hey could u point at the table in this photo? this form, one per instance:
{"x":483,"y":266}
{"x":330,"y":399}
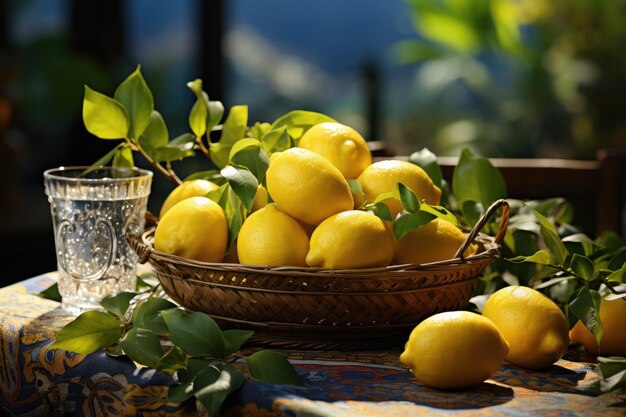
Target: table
{"x":35,"y":381}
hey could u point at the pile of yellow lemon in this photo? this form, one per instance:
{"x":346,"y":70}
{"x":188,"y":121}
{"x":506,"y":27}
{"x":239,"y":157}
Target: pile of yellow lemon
{"x":314,"y":219}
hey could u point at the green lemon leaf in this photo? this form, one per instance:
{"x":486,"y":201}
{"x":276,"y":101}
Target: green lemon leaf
{"x":103,"y":116}
{"x":155,"y":135}
{"x":299,"y":121}
{"x":180,"y":393}
{"x":216,"y":111}
{"x":380,"y":210}
{"x":276,"y":140}
{"x":193,"y":368}
{"x":582,"y":266}
{"x":541,"y":257}
{"x":586,"y":307}
{"x":214,"y":384}
{"x":243,"y":183}
{"x":173,"y":151}
{"x":173,"y":360}
{"x":123,"y":158}
{"x":234,"y":212}
{"x":427,"y":160}
{"x":551,"y":238}
{"x":91,"y":331}
{"x":142,"y":346}
{"x":618,"y":275}
{"x":136,"y":98}
{"x":476,"y":179}
{"x":147,"y":315}
{"x":234,"y":128}
{"x":407,"y":197}
{"x":253,"y":159}
{"x":234,"y":339}
{"x":610,"y":241}
{"x":439,"y":211}
{"x":51,"y":293}
{"x":243,"y":144}
{"x":272,"y":367}
{"x":618,"y":259}
{"x":200,"y":111}
{"x":405,"y":223}
{"x":545,"y":271}
{"x":258,"y":130}
{"x":196,"y":333}
{"x":118,"y":303}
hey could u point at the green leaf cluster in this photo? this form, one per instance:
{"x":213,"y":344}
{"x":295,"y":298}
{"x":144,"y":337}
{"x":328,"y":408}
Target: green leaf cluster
{"x":237,"y":154}
{"x":154,"y":332}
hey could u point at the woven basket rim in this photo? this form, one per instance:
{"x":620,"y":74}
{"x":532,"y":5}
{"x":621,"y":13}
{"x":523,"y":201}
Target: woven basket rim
{"x":491,"y":251}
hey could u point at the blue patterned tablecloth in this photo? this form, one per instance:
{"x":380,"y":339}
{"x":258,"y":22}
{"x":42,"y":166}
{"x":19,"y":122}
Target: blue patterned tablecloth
{"x":36,"y":381}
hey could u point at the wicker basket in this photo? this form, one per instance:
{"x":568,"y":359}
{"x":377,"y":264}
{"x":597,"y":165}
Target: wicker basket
{"x":310,"y":308}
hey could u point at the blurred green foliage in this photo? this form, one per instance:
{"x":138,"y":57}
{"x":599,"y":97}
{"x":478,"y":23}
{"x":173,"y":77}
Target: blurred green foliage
{"x":543,"y":76}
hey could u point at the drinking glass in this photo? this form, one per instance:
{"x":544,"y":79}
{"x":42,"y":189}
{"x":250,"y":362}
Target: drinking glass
{"x":92,"y":213}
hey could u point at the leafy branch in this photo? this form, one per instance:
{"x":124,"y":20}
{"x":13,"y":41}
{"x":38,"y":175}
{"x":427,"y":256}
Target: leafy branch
{"x":154,"y":332}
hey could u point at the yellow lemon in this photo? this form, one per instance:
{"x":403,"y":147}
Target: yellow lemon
{"x":307,"y":186}
{"x":613,"y":339}
{"x":533,"y":324}
{"x":192,"y":188}
{"x":341,"y":145}
{"x":194,"y":228}
{"x":349,"y":240}
{"x":454,"y":349}
{"x":437,"y":240}
{"x":381,"y":177}
{"x":271,"y":237}
{"x":260,"y":199}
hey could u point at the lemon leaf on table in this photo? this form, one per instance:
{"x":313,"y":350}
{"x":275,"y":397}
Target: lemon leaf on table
{"x":89,"y":332}
{"x":234,"y":339}
{"x":212,"y":386}
{"x":103,"y":116}
{"x":612,"y":371}
{"x":147,"y":314}
{"x":51,"y":293}
{"x":173,"y":360}
{"x":118,"y":303}
{"x":272,"y":367}
{"x":142,"y":346}
{"x":133,"y":93}
{"x":196,"y":333}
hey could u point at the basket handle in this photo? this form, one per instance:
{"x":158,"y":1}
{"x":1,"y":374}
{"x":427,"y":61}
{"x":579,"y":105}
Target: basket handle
{"x":142,"y":250}
{"x":504,"y":222}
